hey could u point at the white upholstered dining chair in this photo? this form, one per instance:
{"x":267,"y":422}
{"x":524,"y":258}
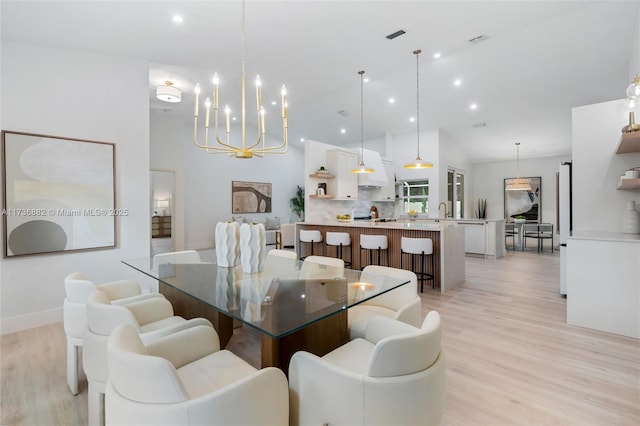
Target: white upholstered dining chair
{"x":77,"y":289}
{"x":403,"y":303}
{"x":150,"y":318}
{"x":185,"y":379}
{"x":395,"y":376}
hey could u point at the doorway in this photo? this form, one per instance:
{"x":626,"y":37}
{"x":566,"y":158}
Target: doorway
{"x":162,"y":218}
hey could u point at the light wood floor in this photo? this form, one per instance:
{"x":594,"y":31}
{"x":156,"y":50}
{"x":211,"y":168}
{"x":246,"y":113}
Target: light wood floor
{"x":511,"y":358}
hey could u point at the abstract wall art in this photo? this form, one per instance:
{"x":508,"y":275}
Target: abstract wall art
{"x":58,"y":194}
{"x":250,"y":197}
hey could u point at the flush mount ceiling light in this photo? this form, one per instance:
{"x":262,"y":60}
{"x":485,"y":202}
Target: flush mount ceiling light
{"x":362,"y":168}
{"x":518,"y":184}
{"x":418,"y":163}
{"x":168,"y":93}
{"x":246,"y":149}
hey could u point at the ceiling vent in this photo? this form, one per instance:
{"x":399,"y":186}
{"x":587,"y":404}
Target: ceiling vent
{"x":477,"y":125}
{"x":478,"y":39}
{"x":343,"y":113}
{"x":396,"y":34}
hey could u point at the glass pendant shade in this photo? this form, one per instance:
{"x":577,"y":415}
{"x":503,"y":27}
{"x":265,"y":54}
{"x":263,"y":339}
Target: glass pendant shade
{"x":362,"y":168}
{"x":633,"y":90}
{"x":418,"y":163}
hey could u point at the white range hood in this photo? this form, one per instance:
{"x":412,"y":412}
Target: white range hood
{"x":379,"y":177}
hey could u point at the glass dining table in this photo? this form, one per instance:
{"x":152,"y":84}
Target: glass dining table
{"x":294,"y":305}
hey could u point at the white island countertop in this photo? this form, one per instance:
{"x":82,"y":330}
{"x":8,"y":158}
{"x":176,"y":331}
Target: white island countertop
{"x":400,"y":224}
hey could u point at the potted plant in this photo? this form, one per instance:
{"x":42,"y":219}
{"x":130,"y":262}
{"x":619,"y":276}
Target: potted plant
{"x":297,"y":203}
{"x":519,"y":219}
{"x":481,"y":211}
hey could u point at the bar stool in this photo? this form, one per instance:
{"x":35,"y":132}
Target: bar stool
{"x":371,"y":243}
{"x":309,"y":236}
{"x":418,"y":247}
{"x":340,"y":240}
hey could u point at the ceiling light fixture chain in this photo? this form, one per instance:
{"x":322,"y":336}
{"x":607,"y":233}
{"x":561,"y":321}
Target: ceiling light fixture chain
{"x":418,"y":163}
{"x":362,"y":168}
{"x":259,"y":148}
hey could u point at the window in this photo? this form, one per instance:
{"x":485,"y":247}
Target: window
{"x":455,"y":193}
{"x":415,"y":195}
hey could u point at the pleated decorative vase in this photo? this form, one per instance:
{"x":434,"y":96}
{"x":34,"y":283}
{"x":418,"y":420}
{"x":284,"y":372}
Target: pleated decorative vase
{"x":631,"y":219}
{"x":252,"y":247}
{"x":227,"y":243}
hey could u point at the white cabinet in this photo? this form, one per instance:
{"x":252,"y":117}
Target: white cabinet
{"x":387,"y":192}
{"x":474,"y":238}
{"x":485,"y":237}
{"x":345,"y":185}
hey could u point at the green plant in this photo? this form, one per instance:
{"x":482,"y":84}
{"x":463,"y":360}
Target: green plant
{"x":520,"y":217}
{"x":297,"y":202}
{"x":481,"y":211}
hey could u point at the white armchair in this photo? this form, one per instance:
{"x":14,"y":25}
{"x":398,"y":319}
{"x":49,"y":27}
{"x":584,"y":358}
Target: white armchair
{"x":176,"y":257}
{"x":403,"y":303}
{"x":151,"y":318}
{"x":396,"y":376}
{"x":77,"y":288}
{"x":185,"y":379}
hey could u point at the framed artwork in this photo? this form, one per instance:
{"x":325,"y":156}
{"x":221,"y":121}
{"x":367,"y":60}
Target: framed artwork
{"x":58,"y":194}
{"x":250,"y":197}
{"x":524,"y":203}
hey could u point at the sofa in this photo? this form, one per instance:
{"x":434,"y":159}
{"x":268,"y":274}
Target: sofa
{"x":271,"y":225}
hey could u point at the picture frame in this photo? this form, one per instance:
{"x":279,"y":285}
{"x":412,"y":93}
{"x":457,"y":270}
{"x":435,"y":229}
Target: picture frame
{"x":58,"y":194}
{"x":524,"y":203}
{"x":250,"y":197}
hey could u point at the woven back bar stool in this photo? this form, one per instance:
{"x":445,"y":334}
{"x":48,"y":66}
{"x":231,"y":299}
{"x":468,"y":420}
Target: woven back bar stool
{"x":418,"y":247}
{"x":373,"y":243}
{"x":340,"y":240}
{"x":309,"y":236}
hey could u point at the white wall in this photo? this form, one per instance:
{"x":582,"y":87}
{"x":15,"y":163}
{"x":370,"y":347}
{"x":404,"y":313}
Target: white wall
{"x":87,"y":96}
{"x":489,"y":178}
{"x":207,"y":185}
{"x":452,"y":157}
{"x":597,"y":205}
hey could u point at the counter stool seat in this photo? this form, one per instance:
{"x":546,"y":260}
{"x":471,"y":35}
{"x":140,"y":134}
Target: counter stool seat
{"x":340,"y":240}
{"x":421,"y":247}
{"x":309,"y":236}
{"x":373,"y":243}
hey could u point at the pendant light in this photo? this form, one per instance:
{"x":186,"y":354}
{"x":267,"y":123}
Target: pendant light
{"x":362,"y":168}
{"x":418,"y":163}
{"x":518,"y":184}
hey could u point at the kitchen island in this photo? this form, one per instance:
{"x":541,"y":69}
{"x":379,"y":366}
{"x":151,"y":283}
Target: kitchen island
{"x":448,"y":245}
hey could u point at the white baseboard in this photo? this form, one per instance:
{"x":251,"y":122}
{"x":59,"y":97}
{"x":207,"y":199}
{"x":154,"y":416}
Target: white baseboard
{"x":36,"y":319}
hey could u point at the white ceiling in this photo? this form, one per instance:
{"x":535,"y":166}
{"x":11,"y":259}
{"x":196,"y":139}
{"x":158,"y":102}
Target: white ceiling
{"x":540,"y":60}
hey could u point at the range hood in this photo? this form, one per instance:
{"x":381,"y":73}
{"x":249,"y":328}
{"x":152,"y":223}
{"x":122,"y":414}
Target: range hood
{"x":379,"y":176}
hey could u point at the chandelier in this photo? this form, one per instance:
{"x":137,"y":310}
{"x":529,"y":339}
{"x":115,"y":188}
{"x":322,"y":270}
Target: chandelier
{"x":258,"y":147}
{"x":518,"y":184}
{"x":362,"y":168}
{"x":418,"y":163}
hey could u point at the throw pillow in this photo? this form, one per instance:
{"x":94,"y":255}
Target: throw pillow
{"x":272,"y":224}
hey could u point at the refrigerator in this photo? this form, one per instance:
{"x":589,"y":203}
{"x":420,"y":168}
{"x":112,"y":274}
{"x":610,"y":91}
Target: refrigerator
{"x":564,"y":219}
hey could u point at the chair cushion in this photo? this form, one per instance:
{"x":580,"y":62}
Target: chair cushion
{"x":213,"y":372}
{"x":359,"y":316}
{"x":166,"y":322}
{"x":353,"y":356}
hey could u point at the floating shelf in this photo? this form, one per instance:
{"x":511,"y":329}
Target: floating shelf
{"x":629,"y":142}
{"x":629,"y":184}
{"x":322,"y":175}
{"x":326,"y":197}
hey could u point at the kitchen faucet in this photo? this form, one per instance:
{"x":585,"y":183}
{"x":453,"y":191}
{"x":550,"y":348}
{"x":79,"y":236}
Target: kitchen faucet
{"x":442,"y":203}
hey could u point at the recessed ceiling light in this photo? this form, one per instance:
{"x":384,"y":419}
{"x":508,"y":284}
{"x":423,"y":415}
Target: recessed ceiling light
{"x":274,"y":103}
{"x":437,"y":55}
{"x":473,"y":106}
{"x":177,"y":19}
{"x":301,"y":139}
{"x":412,"y":119}
{"x":457,"y":82}
{"x":366,"y":79}
{"x":234,"y":118}
{"x":343,"y":131}
{"x":392,"y":100}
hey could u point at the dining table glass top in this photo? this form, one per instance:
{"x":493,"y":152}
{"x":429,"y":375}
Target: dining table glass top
{"x":285,"y":297}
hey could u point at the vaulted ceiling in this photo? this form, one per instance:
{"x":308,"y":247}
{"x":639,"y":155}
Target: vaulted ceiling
{"x":539,"y":59}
